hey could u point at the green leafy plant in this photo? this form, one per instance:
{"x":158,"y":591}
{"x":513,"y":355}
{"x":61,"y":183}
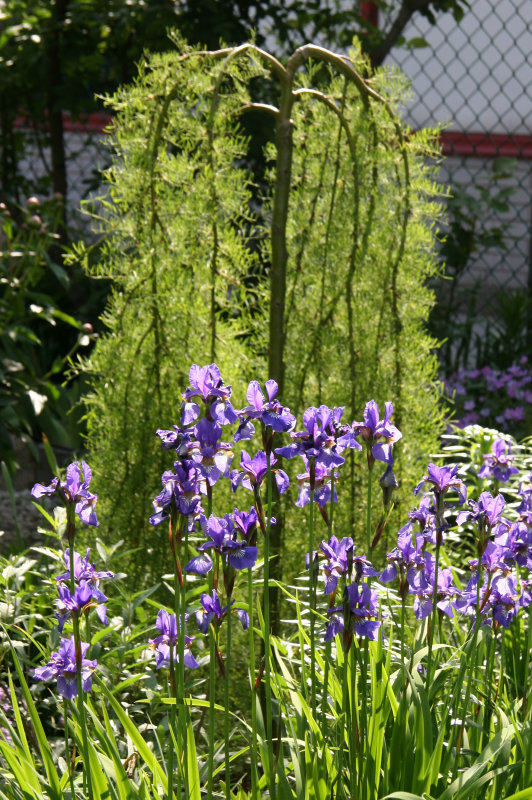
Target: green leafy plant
{"x":38,"y":338}
{"x":322,"y":286}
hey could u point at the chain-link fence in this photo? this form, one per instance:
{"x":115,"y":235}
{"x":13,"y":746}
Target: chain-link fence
{"x":475,"y":77}
{"x":85,"y":157}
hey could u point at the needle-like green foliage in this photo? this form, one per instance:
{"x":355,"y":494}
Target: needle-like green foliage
{"x":315,"y":278}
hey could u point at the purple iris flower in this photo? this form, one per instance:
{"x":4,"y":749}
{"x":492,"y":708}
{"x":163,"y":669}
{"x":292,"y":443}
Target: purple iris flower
{"x":363,"y":604}
{"x":84,"y":598}
{"x":246,"y":523}
{"x":211,"y":611}
{"x":319,"y":443}
{"x":322,"y":485}
{"x":406,"y":556}
{"x":220,"y":532}
{"x":504,"y":608}
{"x":517,"y":541}
{"x":254,"y":470}
{"x":62,"y":665}
{"x":442,"y":480}
{"x":494,"y":559}
{"x":425,"y":516}
{"x":525,"y":507}
{"x":360,"y":609}
{"x":339,"y":555}
{"x":373,"y":429}
{"x":84,"y":571}
{"x":498,"y":596}
{"x":207,"y":384}
{"x":176,"y":439}
{"x":466,"y":601}
{"x":526,"y":593}
{"x":421,"y":583}
{"x":167,"y":626}
{"x":73,"y":491}
{"x":181,"y":491}
{"x":498,"y":463}
{"x":270,"y":412}
{"x":87,"y":593}
{"x":212,"y":456}
{"x":487,"y":511}
{"x":335,"y":625}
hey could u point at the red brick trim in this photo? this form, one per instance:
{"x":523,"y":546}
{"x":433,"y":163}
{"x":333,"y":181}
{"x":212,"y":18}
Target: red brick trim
{"x":486,"y":145}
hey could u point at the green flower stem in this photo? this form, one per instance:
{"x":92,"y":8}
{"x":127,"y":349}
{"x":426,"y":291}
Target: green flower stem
{"x":403,"y":615}
{"x":68,"y":757}
{"x":77,"y":643}
{"x":209,"y":500}
{"x":227,"y":692}
{"x":179,"y":599}
{"x":488,"y":676}
{"x":213,"y":647}
{"x":267,"y":677}
{"x":170,"y":770}
{"x":345,"y":715}
{"x":212,"y":699}
{"x":355,"y":752}
{"x":324,"y":699}
{"x":470,"y":677}
{"x":312,"y":598}
{"x":526,"y":705}
{"x":71,"y":554}
{"x":368,"y":509}
{"x":438,"y":502}
{"x":253,"y":742}
{"x":433,"y":615}
{"x":364,"y":762}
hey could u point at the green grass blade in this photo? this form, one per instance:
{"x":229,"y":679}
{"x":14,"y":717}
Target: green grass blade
{"x":46,"y":754}
{"x":194,"y":787}
{"x":464,"y":786}
{"x":136,"y":737}
{"x":126,"y":789}
{"x":524,"y":794}
{"x":23,"y":773}
{"x":18,"y":719}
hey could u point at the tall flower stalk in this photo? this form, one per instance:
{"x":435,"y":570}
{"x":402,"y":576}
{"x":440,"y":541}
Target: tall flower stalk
{"x":72,"y":669}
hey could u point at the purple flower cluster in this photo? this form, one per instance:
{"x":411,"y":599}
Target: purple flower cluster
{"x":164,"y":645}
{"x":498,"y":463}
{"x":411,"y":560}
{"x":271,"y":412}
{"x":229,"y":545}
{"x":222,"y":538}
{"x":211,"y":611}
{"x":344,"y":571}
{"x":323,"y":438}
{"x":86,"y":594}
{"x":501,"y":399}
{"x":373,"y":431}
{"x":63,"y":666}
{"x":203,"y":459}
{"x":493,"y":594}
{"x":74,"y":491}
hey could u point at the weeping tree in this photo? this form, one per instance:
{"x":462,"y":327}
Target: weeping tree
{"x":312,"y":272}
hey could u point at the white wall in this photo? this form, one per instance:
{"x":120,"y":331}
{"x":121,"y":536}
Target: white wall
{"x":476,"y":74}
